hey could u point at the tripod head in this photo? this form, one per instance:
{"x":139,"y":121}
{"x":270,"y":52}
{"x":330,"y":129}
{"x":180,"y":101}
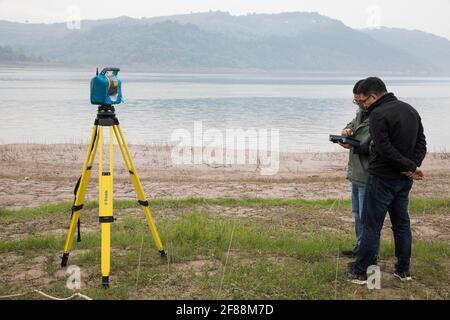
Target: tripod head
{"x":106,"y":116}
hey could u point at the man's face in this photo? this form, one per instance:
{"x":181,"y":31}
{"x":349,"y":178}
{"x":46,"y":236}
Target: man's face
{"x":365,"y":102}
{"x":357,"y":101}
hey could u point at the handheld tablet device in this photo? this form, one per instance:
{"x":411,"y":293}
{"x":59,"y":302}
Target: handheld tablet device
{"x":344,"y":140}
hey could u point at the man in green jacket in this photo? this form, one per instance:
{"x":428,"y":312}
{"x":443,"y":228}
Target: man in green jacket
{"x":358,"y":163}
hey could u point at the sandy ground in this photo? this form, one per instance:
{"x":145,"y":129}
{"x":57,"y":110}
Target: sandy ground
{"x":32,"y":174}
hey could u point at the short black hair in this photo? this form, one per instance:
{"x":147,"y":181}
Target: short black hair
{"x":372,"y":85}
{"x":355,"y":88}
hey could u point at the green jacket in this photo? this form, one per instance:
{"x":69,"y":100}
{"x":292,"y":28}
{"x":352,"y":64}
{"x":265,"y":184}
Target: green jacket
{"x":358,"y":162}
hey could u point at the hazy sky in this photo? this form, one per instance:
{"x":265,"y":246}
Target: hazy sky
{"x":431,"y":16}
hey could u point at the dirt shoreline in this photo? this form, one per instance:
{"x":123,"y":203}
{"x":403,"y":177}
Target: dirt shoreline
{"x":33,"y":174}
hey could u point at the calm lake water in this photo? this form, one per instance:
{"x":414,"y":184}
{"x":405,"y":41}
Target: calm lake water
{"x":52,"y":105}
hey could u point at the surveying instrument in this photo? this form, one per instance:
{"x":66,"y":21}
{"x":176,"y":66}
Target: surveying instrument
{"x":106,"y":90}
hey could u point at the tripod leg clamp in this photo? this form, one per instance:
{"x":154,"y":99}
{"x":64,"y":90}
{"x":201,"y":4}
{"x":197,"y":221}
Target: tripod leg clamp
{"x":77,"y":208}
{"x":143,"y":203}
{"x":107,"y":219}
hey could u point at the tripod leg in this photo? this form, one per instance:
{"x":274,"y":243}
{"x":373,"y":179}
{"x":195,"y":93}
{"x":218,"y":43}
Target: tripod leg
{"x":85,"y":176}
{"x":138,"y":187}
{"x":106,"y":206}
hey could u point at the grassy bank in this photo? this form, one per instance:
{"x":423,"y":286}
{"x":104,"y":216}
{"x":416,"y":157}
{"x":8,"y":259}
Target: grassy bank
{"x":416,"y":206}
{"x":287,"y":253}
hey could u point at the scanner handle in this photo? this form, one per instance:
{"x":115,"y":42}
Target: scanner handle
{"x":113,"y":69}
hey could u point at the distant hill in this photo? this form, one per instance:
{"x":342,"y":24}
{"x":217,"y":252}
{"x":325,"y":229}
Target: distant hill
{"x":213,"y":40}
{"x":433,"y":51}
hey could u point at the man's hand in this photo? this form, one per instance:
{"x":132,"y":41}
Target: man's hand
{"x":346,"y":133}
{"x":344,"y":145}
{"x":416,"y":175}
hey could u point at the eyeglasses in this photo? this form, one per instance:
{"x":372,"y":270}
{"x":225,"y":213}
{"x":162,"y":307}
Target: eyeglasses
{"x":360,"y":102}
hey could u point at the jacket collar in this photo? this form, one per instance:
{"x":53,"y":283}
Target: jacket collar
{"x":388,"y":97}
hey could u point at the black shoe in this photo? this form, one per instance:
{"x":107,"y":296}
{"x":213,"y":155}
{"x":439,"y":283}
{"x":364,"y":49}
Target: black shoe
{"x":360,"y":279}
{"x":403,"y":276}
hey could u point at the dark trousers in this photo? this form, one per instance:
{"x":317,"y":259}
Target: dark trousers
{"x":384,"y":196}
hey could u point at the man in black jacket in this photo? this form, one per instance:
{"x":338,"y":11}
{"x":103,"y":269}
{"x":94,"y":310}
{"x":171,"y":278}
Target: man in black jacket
{"x":396,"y":153}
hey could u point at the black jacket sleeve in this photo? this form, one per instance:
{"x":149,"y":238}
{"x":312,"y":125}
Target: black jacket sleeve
{"x":384,"y":147}
{"x":420,"y":149}
{"x":362,"y":150}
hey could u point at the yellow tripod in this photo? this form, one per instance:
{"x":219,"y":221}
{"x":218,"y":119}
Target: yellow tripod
{"x":106,"y":118}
